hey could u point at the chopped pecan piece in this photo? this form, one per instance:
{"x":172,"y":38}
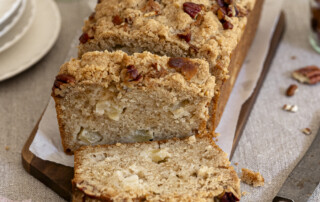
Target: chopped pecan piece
{"x":290,"y":108}
{"x":291,"y":90}
{"x":227,"y":25}
{"x":309,"y":75}
{"x":130,"y":73}
{"x":185,"y":66}
{"x":192,"y":9}
{"x":222,"y":12}
{"x":62,"y":79}
{"x":232,"y":11}
{"x":116,"y":20}
{"x":186,"y":36}
{"x":227,"y":197}
{"x":307,"y":131}
{"x":199,"y":20}
{"x":84,"y":38}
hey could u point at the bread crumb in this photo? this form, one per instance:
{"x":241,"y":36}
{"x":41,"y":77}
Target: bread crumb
{"x":217,"y":134}
{"x":252,"y":178}
{"x":236,"y":164}
{"x":244,"y":193}
{"x":7,"y":148}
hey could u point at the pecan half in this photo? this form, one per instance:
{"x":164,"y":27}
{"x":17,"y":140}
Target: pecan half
{"x":192,"y":9}
{"x":117,"y":20}
{"x":227,"y":197}
{"x":291,"y":90}
{"x":185,"y":66}
{"x":309,"y":75}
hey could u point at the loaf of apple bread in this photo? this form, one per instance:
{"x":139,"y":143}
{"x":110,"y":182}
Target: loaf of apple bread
{"x":210,"y":30}
{"x":105,"y":98}
{"x":192,"y":169}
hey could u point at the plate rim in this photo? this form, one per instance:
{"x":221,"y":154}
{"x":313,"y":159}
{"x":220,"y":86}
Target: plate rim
{"x":48,"y":47}
{"x":13,"y":8}
{"x":25,"y":29}
{"x":15,"y":18}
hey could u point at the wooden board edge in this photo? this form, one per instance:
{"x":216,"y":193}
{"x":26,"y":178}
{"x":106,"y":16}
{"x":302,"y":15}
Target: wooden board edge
{"x":244,"y":112}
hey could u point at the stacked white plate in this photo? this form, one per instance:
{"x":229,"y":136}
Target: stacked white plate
{"x":28,"y":30}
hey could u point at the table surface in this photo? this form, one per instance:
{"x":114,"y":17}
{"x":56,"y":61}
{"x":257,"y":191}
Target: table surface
{"x":272,"y":142}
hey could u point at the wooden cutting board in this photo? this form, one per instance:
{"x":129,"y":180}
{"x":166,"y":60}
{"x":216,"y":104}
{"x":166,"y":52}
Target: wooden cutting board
{"x":58,"y":177}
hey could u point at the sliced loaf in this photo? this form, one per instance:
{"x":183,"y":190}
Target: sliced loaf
{"x":106,"y":98}
{"x":193,"y":169}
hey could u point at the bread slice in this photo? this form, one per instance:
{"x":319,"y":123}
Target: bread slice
{"x":106,"y":98}
{"x":192,"y":169}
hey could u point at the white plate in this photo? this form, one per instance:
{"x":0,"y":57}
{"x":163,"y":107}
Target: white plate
{"x":23,"y":25}
{"x":35,"y":43}
{"x":7,"y":8}
{"x":13,"y":19}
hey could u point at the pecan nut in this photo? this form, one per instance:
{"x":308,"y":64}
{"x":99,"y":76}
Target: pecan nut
{"x":222,"y":12}
{"x":227,"y":25}
{"x":309,"y":75}
{"x":62,"y":79}
{"x":185,"y":66}
{"x":291,"y":90}
{"x":290,"y":108}
{"x":192,"y":9}
{"x":186,"y":36}
{"x":130,"y":73}
{"x":117,"y":20}
{"x":84,"y":38}
{"x":307,"y":131}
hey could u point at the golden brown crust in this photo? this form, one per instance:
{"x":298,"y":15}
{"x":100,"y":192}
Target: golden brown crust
{"x":237,"y":58}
